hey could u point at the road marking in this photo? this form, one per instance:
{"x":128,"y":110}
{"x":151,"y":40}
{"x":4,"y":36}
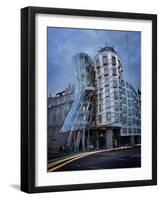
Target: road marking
{"x":70,"y":159}
{"x":67,"y":162}
{"x":75,"y":156}
{"x":62,"y":160}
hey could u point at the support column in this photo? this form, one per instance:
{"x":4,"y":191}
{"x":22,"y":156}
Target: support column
{"x":97,"y":140}
{"x":132,"y":142}
{"x":109,"y":142}
{"x":76,"y":147}
{"x":88,"y":139}
{"x":70,"y":141}
{"x":83,"y":140}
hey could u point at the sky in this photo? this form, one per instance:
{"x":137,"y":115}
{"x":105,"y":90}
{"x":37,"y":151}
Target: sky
{"x":63,"y":43}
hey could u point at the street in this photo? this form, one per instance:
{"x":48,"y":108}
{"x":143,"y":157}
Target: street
{"x":103,"y":159}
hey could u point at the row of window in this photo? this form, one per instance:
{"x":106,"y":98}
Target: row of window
{"x":130,"y":102}
{"x":131,"y":130}
{"x":106,"y":71}
{"x":133,"y":102}
{"x":130,"y":121}
{"x":121,"y":118}
{"x":128,"y":85}
{"x":100,"y":85}
{"x":129,"y":94}
{"x":108,"y":116}
{"x":107,"y":93}
{"x":116,"y":105}
{"x":131,"y":112}
{"x":106,"y":61}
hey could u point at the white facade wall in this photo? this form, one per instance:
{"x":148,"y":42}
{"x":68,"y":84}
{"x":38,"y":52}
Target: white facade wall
{"x":116,"y":105}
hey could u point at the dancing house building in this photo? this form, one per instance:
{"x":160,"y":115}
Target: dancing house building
{"x":106,"y":109}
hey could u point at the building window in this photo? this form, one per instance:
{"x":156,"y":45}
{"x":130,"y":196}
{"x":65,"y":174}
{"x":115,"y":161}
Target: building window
{"x":106,"y":81}
{"x":129,"y":121}
{"x":108,"y":116}
{"x":104,"y":60}
{"x":107,"y":91}
{"x":134,"y":121}
{"x":124,"y":100}
{"x":124,"y":119}
{"x":113,"y":60}
{"x":100,"y":118}
{"x":105,"y":71}
{"x":97,"y":63}
{"x":124,"y":130}
{"x":117,"y":117}
{"x":127,"y":85}
{"x":123,"y":91}
{"x":114,"y":73}
{"x":107,"y":103}
{"x":128,"y":93}
{"x":129,"y":102}
{"x":115,"y":83}
{"x":133,"y":103}
{"x":116,"y":106}
{"x":115,"y":94}
{"x":99,"y":84}
{"x":120,"y":93}
{"x":130,"y":112}
{"x":134,"y":130}
{"x":99,"y":77}
{"x":100,"y":107}
{"x":130,"y":130}
{"x":122,"y":83}
{"x":124,"y":109}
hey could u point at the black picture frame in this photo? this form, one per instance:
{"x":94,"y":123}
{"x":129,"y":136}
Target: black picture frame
{"x":28,"y":98}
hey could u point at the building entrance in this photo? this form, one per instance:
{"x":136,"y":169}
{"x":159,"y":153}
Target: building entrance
{"x":120,"y":141}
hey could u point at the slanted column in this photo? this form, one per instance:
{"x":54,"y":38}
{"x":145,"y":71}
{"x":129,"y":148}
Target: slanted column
{"x":109,"y":142}
{"x":76,"y":147}
{"x":88,"y":139}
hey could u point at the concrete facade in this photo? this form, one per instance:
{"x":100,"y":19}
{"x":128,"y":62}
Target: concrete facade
{"x":118,"y":104}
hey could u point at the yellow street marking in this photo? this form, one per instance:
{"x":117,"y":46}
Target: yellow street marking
{"x":75,"y":157}
{"x":69,"y":161}
{"x":64,"y":159}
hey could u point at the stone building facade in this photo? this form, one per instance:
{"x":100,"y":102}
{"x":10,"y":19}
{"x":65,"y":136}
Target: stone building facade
{"x":58,"y":108}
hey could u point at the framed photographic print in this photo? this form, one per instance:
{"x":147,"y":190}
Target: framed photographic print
{"x":88,"y":99}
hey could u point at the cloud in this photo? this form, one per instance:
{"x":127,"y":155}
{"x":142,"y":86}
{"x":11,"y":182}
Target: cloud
{"x":63,"y":43}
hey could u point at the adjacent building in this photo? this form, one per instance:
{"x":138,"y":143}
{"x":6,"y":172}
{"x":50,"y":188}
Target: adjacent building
{"x":58,"y":108}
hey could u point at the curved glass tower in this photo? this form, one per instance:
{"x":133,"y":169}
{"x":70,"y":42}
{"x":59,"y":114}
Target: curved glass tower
{"x":81,"y":115}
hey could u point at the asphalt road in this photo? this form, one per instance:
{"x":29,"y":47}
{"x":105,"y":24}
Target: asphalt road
{"x":125,"y":158}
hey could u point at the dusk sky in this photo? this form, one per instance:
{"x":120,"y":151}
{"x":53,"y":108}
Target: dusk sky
{"x":63,"y":43}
